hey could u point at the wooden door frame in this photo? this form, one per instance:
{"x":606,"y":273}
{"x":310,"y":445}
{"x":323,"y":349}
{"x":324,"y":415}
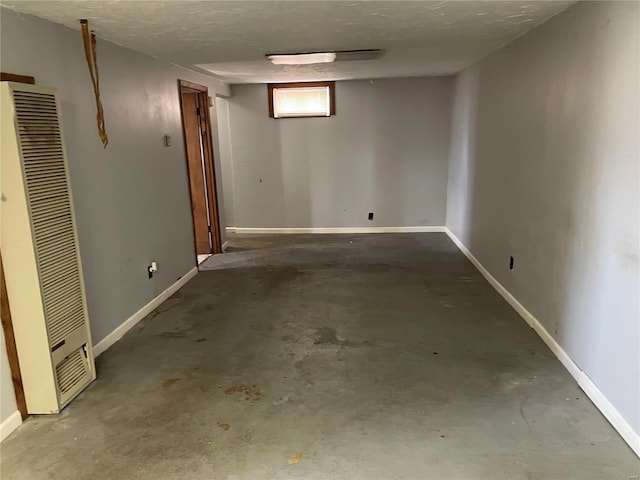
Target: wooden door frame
{"x":202,"y":92}
{"x":10,"y":343}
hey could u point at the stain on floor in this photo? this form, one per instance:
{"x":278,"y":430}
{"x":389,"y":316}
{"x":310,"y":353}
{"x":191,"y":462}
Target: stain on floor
{"x":251,"y":392}
{"x":168,"y":382}
{"x":326,"y":335}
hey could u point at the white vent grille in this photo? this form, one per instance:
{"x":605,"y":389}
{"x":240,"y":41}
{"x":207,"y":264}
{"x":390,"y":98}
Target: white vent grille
{"x":72,"y":372}
{"x":41,"y":257}
{"x":51,"y":216}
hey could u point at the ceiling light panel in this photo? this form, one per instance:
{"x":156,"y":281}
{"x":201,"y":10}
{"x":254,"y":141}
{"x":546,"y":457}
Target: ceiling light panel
{"x":302,"y":58}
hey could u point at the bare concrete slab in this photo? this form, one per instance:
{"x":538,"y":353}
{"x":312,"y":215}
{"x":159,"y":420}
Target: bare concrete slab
{"x":327,"y":357}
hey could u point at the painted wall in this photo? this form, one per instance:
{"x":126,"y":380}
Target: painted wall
{"x":131,"y":199}
{"x":8,"y":405}
{"x":384,"y":152}
{"x":544,"y":166}
{"x":226,"y":158}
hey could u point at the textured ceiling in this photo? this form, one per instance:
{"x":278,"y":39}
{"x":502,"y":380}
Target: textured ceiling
{"x":230,"y":38}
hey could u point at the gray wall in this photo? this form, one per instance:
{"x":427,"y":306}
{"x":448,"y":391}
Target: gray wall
{"x":544,"y":166}
{"x":384,"y":152}
{"x":131,"y":199}
{"x":8,"y":405}
{"x":226,"y":158}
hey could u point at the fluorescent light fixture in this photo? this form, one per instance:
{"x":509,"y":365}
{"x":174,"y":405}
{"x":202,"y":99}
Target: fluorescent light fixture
{"x":302,"y":58}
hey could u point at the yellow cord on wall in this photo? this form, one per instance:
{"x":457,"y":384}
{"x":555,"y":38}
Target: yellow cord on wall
{"x":91,"y":55}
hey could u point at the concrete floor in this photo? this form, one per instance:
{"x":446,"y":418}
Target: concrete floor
{"x":371,"y":356}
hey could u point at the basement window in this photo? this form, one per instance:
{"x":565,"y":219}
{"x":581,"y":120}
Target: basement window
{"x":300,"y":100}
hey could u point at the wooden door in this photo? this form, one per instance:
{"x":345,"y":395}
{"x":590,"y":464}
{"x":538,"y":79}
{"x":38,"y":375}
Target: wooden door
{"x":195,"y":148}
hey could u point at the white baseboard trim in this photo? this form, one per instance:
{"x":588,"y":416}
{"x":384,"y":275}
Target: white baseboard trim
{"x":586,"y":384}
{"x":12,"y":422}
{"x":224,"y":245}
{"x":117,"y":334}
{"x":416,"y":229}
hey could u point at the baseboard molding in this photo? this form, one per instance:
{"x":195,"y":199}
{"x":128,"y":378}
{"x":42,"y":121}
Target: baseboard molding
{"x":118,"y":333}
{"x":584,"y":382}
{"x":224,"y":245}
{"x":12,"y":422}
{"x":416,"y":229}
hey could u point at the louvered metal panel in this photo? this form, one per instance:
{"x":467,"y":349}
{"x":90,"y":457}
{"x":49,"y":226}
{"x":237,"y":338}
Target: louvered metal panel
{"x":72,"y":373}
{"x":39,"y":137}
{"x":42,"y":262}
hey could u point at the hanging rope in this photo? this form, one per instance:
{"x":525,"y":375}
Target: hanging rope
{"x":92,"y":62}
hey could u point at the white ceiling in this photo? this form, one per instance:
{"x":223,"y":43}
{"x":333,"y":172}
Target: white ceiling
{"x":230,"y":38}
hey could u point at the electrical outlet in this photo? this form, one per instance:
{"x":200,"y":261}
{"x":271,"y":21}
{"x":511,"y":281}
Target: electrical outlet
{"x":370,"y":215}
{"x":152,"y":268}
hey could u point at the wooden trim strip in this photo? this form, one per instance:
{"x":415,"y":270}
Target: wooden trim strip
{"x":12,"y":77}
{"x":210,"y":171}
{"x":193,"y":86}
{"x":10,"y":342}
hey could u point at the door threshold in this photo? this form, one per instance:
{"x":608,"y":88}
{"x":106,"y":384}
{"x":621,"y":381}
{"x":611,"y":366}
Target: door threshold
{"x":203,"y":257}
